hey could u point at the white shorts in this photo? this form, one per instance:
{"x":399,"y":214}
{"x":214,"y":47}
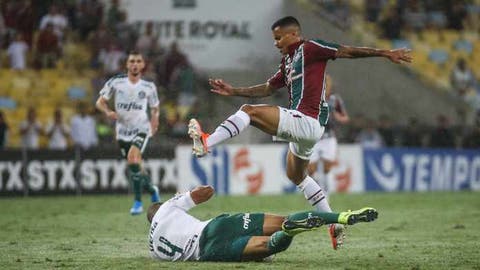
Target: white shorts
{"x":325,"y":149}
{"x":300,"y":130}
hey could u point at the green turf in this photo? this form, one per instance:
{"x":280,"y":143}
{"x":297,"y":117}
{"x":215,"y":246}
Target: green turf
{"x":414,"y":231}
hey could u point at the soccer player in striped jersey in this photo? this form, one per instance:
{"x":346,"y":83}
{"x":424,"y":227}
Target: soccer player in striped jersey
{"x":302,"y":72}
{"x":132,"y":95}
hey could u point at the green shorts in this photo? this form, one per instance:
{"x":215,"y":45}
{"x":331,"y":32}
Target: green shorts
{"x":225,"y":237}
{"x":140,"y":141}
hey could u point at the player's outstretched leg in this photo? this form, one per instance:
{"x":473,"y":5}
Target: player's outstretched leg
{"x":366,"y":214}
{"x":230,"y":128}
{"x":293,"y":227}
{"x":136,"y":180}
{"x":310,"y":220}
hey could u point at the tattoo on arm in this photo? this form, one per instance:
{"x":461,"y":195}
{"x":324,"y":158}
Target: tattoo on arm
{"x":260,"y":90}
{"x":358,"y":52}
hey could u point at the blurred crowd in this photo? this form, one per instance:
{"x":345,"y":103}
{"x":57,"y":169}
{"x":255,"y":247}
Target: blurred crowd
{"x":36,"y":34}
{"x":444,"y":37}
{"x":383,"y":132}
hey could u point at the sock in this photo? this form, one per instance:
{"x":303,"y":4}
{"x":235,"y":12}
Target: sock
{"x":147,"y":183}
{"x":318,"y":177}
{"x":279,"y":241}
{"x":230,"y":128}
{"x":322,"y":180}
{"x":136,"y":179}
{"x":328,"y":217}
{"x":314,"y":194}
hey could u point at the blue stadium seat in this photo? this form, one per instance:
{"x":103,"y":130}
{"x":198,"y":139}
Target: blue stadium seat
{"x":401,"y":43}
{"x":76,"y":93}
{"x":7,"y":103}
{"x":438,"y":56}
{"x":463,"y":45}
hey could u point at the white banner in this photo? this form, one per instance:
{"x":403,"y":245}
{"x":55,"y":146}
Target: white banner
{"x":259,"y":169}
{"x":215,"y":34}
{"x":347,"y":173}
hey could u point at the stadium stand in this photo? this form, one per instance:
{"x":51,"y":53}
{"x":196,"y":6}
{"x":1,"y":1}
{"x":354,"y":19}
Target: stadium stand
{"x":93,"y":27}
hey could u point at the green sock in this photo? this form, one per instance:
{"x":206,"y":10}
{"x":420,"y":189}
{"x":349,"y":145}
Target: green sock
{"x":279,"y":241}
{"x":147,"y":183}
{"x":328,"y":217}
{"x":136,"y":179}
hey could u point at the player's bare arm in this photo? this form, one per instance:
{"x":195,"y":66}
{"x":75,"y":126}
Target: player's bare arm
{"x":341,"y":117}
{"x":202,"y":194}
{"x":397,"y":56}
{"x":154,"y":114}
{"x":102,"y":105}
{"x":225,"y":89}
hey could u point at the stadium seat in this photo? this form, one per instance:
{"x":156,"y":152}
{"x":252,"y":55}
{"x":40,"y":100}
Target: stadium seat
{"x":438,"y":56}
{"x":7,"y":103}
{"x":463,"y":45}
{"x":401,"y":43}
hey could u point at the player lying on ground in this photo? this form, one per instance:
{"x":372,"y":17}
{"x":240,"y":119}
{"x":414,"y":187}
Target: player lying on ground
{"x":177,"y":236}
{"x":302,"y":71}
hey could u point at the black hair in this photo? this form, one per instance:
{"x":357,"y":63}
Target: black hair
{"x":286,"y":21}
{"x":152,"y":209}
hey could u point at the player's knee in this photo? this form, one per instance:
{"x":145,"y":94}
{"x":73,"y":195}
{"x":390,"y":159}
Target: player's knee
{"x":133,"y":158}
{"x":249,"y":109}
{"x":295,"y":177}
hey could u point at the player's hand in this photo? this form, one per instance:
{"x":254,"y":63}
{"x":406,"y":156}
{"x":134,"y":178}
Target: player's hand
{"x":154,"y":126}
{"x":400,"y":55}
{"x":112,"y":115}
{"x":220,"y":87}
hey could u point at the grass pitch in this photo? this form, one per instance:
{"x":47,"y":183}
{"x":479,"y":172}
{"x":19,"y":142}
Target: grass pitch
{"x":413,"y":231}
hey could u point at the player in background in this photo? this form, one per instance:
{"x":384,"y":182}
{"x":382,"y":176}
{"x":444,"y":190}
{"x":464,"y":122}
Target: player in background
{"x":302,"y":71}
{"x":325,"y":150}
{"x":132,"y":95}
{"x":238,"y":237}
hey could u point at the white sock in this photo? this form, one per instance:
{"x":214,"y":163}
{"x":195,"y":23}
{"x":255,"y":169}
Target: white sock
{"x":314,"y":194}
{"x":322,"y":180}
{"x":230,"y":128}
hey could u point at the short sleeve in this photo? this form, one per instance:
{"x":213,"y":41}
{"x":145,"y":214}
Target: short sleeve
{"x":183,"y":201}
{"x":108,"y":90}
{"x":322,"y":50}
{"x":277,"y":80}
{"x":153,"y":97}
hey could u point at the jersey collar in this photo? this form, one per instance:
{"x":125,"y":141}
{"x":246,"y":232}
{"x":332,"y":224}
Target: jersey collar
{"x":294,"y":46}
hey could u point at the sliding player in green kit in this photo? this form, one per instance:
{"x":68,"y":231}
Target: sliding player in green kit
{"x":177,"y":236}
